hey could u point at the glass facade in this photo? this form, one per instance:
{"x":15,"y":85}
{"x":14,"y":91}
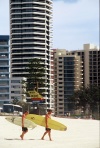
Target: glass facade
{"x":69,"y":74}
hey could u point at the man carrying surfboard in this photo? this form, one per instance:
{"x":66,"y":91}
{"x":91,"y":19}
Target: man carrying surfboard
{"x":24,"y":129}
{"x":48,"y":130}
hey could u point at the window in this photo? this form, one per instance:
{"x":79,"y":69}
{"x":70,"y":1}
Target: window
{"x":60,"y":78}
{"x":60,"y":74}
{"x":60,"y":83}
{"x":60,"y":99}
{"x":60,"y":103}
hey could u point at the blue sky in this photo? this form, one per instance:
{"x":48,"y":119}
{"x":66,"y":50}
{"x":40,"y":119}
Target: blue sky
{"x":75,"y":22}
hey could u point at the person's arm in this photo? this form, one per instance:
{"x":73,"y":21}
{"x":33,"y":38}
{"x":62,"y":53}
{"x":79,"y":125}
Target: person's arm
{"x":23,"y":121}
{"x":46,"y":120}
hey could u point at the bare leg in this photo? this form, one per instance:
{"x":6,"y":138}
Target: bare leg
{"x":44,"y":135}
{"x":22,"y":135}
{"x":49,"y":133}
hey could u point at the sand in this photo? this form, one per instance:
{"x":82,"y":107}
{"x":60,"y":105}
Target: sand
{"x":81,"y":133}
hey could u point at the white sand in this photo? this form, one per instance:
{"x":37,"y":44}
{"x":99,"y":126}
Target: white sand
{"x":80,"y":134}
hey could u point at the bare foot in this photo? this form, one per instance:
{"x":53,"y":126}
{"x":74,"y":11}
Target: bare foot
{"x":21,"y":137}
{"x":42,"y":138}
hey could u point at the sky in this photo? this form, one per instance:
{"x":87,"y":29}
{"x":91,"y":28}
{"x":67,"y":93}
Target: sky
{"x":80,"y":133}
{"x":75,"y":22}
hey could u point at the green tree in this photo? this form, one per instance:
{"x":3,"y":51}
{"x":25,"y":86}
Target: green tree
{"x":35,"y":78}
{"x":87,"y":97}
{"x":36,"y":73}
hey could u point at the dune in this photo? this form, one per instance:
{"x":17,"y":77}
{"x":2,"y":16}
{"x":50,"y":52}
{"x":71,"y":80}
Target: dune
{"x":80,"y":133}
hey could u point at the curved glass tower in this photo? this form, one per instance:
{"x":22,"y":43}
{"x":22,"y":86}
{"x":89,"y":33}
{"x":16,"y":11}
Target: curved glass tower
{"x":31,"y":33}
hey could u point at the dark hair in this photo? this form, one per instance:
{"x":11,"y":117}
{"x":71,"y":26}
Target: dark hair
{"x":49,"y":110}
{"x":26,"y":111}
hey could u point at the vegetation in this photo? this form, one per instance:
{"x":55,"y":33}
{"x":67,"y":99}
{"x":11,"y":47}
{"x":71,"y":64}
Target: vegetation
{"x":36,"y":73}
{"x":87,"y":98}
{"x":35,"y":79}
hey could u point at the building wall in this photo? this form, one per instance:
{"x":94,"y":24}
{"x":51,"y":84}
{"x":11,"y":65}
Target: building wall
{"x":4,"y":68}
{"x":90,"y":56}
{"x":18,"y":89}
{"x":31,"y":33}
{"x":68,"y":78}
{"x":73,"y":69}
{"x":91,"y":67}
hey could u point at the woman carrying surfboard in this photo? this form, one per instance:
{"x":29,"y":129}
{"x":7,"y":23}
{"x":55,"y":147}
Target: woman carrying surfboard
{"x":24,"y":129}
{"x":48,"y":130}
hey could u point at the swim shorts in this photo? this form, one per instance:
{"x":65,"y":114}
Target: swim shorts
{"x":48,"y":129}
{"x":24,"y":129}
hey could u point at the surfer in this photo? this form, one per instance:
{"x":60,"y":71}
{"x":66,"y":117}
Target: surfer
{"x":24,"y":129}
{"x":48,"y":130}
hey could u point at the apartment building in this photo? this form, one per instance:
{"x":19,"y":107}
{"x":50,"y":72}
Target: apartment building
{"x":17,"y":89}
{"x":31,"y":37}
{"x":72,"y":70}
{"x":90,"y":55}
{"x":67,"y":78}
{"x":4,"y":69}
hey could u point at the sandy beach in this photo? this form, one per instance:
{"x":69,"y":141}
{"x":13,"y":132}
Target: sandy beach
{"x":81,"y":133}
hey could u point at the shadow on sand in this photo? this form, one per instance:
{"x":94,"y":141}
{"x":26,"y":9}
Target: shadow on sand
{"x":17,"y":139}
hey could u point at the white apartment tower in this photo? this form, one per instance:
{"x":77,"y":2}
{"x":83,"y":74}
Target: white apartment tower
{"x":30,"y":37}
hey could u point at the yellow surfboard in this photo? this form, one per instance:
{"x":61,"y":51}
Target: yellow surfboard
{"x":40,"y":120}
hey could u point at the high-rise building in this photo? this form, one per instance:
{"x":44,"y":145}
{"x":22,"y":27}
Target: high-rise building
{"x":72,"y":70}
{"x":17,"y":89}
{"x":4,"y":69}
{"x":90,"y":55}
{"x":30,"y":37}
{"x":67,"y":78}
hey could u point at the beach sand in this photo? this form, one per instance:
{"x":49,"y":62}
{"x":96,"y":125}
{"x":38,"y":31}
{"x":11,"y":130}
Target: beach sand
{"x":81,"y":133}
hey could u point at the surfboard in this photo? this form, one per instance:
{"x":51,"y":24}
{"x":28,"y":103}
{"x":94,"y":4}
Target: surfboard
{"x":18,"y":121}
{"x":40,"y":120}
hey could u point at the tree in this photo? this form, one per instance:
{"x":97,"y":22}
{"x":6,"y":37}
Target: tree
{"x":35,"y":77}
{"x":36,"y":73}
{"x":87,"y":97}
